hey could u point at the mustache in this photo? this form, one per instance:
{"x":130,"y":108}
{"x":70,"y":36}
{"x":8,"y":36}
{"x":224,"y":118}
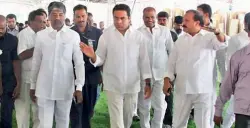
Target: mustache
{"x":81,"y":22}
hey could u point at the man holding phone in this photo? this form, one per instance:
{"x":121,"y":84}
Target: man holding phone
{"x":192,"y":59}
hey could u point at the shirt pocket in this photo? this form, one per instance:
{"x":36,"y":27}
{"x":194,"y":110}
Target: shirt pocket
{"x":67,"y":51}
{"x":160,"y":44}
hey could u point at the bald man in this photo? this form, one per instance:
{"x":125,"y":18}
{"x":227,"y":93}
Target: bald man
{"x":159,"y":47}
{"x":10,"y":74}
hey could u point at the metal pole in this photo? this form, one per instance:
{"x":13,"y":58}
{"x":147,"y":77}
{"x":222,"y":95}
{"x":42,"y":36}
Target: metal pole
{"x":133,"y":7}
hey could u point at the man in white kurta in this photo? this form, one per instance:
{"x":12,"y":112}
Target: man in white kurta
{"x":192,"y":59}
{"x":159,"y":46}
{"x":235,"y":43}
{"x":123,"y":53}
{"x":26,"y":43}
{"x":52,"y":74}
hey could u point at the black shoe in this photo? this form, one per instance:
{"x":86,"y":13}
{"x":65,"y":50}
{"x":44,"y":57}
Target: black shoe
{"x":136,"y":118}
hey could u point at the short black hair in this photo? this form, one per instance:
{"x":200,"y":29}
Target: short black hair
{"x":197,"y":16}
{"x":122,"y":7}
{"x":206,"y":9}
{"x":80,"y":7}
{"x":11,"y":16}
{"x":178,"y":19}
{"x":90,"y":14}
{"x":56,"y":4}
{"x":247,"y":18}
{"x":67,"y":20}
{"x":21,"y":24}
{"x":42,"y":10}
{"x":163,"y":14}
{"x":33,"y":15}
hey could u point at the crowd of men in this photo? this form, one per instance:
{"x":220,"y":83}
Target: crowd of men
{"x":52,"y":69}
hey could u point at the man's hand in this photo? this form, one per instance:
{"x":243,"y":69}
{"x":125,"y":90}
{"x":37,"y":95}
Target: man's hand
{"x":88,"y":50}
{"x":147,"y":92}
{"x":167,"y":86}
{"x":32,"y":95}
{"x":16,"y":92}
{"x":1,"y":89}
{"x":78,"y":95}
{"x":218,"y":120}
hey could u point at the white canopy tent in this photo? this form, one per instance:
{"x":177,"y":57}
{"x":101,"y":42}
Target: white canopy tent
{"x":102,"y":9}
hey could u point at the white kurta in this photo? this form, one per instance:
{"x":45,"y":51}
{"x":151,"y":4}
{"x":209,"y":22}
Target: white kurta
{"x":26,"y":40}
{"x":52,"y":70}
{"x":192,"y":59}
{"x":236,"y":43}
{"x":52,"y":74}
{"x":159,"y":46}
{"x":125,"y":60}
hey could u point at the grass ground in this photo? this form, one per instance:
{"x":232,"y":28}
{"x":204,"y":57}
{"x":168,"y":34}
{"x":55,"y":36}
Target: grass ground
{"x":101,"y":117}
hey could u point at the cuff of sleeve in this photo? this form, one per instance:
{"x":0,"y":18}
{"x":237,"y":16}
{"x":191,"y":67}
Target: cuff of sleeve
{"x":79,"y":87}
{"x":170,"y":76}
{"x":146,"y":76}
{"x":218,"y":112}
{"x":33,"y":86}
{"x":96,"y":62}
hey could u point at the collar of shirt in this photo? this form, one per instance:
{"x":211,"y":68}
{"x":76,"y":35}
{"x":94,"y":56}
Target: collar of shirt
{"x":63,"y":29}
{"x":244,"y":33}
{"x":30,"y":30}
{"x":129,"y":30}
{"x":155,"y":27}
{"x":88,"y":28}
{"x":201,"y":33}
{"x":15,"y":29}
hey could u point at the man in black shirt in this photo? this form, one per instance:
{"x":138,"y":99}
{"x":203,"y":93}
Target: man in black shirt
{"x":11,"y":70}
{"x":81,"y":113}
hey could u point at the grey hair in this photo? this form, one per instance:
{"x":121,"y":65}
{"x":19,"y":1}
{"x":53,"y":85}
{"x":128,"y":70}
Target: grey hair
{"x":58,"y":5}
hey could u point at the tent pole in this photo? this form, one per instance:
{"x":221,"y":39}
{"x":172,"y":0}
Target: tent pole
{"x":133,"y":7}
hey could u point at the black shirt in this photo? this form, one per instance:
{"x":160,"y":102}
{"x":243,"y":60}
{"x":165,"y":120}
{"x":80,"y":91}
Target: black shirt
{"x":174,"y":36}
{"x":8,"y":46}
{"x":92,"y":74}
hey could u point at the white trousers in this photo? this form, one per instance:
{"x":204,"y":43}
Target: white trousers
{"x":121,"y":109}
{"x":213,"y":100}
{"x":183,"y":103}
{"x":229,"y":116}
{"x":136,"y":107}
{"x":22,"y":107}
{"x":47,"y":109}
{"x":158,"y":103}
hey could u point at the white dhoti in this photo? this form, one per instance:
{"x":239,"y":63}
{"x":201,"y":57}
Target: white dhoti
{"x":22,"y":107}
{"x":47,"y":109}
{"x":158,"y":103}
{"x":183,"y":103}
{"x":121,"y":108}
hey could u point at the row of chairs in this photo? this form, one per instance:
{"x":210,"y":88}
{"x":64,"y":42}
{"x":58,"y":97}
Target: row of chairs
{"x":230,"y":23}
